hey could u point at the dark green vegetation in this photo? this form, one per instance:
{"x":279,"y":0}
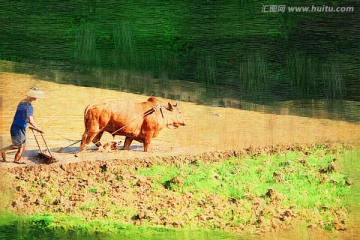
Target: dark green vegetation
{"x":255,"y":190}
{"x":46,"y":226}
{"x":266,"y":56}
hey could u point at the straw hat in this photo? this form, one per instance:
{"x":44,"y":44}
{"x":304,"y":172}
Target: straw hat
{"x":36,"y":93}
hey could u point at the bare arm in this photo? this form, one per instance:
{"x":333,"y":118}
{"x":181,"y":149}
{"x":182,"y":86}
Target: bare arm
{"x":34,"y":124}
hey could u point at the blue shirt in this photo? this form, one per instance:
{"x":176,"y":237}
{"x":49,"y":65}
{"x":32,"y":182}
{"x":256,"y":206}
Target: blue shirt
{"x":23,"y":112}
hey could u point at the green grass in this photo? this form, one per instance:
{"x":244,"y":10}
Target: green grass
{"x":254,"y":74}
{"x":303,"y":72}
{"x":207,"y":69}
{"x":306,"y":185}
{"x":333,"y":81}
{"x":49,"y":226}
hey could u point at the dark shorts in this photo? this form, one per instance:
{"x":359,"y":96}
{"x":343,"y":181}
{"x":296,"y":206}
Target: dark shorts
{"x":18,"y":135}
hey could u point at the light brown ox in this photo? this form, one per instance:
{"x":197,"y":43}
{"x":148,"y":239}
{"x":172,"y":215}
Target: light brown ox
{"x":137,"y":121}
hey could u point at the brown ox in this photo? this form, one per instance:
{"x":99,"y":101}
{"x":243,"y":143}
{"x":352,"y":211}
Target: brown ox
{"x":137,"y":121}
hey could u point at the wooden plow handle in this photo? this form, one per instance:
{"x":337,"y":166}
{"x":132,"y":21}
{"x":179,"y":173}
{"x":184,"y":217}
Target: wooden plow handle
{"x":37,"y":142}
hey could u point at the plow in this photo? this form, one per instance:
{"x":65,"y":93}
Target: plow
{"x":44,"y":150}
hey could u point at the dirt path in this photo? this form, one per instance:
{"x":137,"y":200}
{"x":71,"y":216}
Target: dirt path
{"x":208,"y":129}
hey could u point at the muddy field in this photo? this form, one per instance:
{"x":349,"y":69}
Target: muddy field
{"x":208,"y":128}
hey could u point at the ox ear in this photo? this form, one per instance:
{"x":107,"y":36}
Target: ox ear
{"x":170,"y":106}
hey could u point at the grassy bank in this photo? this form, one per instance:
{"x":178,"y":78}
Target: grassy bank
{"x":252,"y":191}
{"x":50,"y":226}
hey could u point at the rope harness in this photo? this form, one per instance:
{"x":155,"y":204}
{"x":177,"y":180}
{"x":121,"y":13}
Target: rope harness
{"x":148,"y":112}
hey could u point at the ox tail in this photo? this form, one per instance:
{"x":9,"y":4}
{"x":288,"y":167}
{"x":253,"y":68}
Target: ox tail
{"x":85,"y":139}
{"x":87,"y":109}
{"x":86,"y":113}
{"x":90,"y":119}
{"x":91,"y":123}
{"x":86,"y":117}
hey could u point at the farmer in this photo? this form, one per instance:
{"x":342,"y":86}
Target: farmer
{"x":23,"y":116}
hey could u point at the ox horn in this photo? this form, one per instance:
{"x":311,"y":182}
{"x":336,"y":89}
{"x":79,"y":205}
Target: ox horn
{"x":170,"y":106}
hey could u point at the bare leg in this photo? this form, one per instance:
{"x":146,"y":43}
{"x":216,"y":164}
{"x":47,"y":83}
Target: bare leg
{"x":18,"y":154}
{"x":3,"y":151}
{"x":127,"y":143}
{"x":3,"y":155}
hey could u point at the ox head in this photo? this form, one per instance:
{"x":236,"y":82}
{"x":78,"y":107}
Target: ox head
{"x":175,"y":117}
